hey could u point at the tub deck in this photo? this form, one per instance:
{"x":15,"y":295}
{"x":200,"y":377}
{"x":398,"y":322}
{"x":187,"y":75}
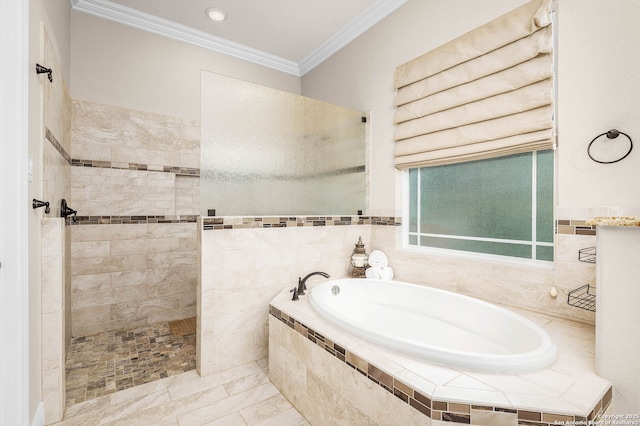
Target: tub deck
{"x":569,"y":390}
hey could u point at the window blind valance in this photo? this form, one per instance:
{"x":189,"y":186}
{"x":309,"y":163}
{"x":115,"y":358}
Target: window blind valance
{"x":487,"y":93}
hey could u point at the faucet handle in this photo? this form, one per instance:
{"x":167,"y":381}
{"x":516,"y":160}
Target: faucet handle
{"x":302,"y":286}
{"x":295,"y":293}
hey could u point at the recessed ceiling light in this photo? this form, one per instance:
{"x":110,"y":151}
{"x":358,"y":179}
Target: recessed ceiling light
{"x":215,"y":14}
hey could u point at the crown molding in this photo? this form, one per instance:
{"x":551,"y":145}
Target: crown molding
{"x":146,"y":22}
{"x":115,"y":12}
{"x":374,"y":14}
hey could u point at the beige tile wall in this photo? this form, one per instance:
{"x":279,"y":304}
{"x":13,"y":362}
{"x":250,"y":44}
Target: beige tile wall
{"x":136,"y":148}
{"x":128,"y":163}
{"x":326,"y":390}
{"x":108,"y":133}
{"x":518,"y":285}
{"x":187,"y":195}
{"x":243,"y":269}
{"x":99,"y":191}
{"x":132,"y":274}
{"x":303,"y":345}
{"x":54,"y":344}
{"x":56,"y":176}
{"x":55,"y":280}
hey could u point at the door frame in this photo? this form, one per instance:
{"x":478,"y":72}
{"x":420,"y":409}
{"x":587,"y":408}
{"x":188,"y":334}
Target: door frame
{"x":14,"y":256}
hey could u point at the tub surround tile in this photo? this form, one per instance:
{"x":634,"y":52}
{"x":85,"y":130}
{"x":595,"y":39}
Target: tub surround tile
{"x":467,"y":397}
{"x":568,"y":247}
{"x":514,"y":285}
{"x":256,"y":263}
{"x":574,"y":227}
{"x":218,"y":223}
{"x":487,"y":417}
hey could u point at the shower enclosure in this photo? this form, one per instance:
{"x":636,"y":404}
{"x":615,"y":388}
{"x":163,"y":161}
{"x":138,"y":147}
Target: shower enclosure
{"x":269,"y":152}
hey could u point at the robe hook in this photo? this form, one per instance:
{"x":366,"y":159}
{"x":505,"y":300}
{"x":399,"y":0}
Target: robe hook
{"x":37,"y":204}
{"x":42,"y":70}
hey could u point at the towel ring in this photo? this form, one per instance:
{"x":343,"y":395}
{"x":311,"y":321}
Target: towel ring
{"x":611,"y":134}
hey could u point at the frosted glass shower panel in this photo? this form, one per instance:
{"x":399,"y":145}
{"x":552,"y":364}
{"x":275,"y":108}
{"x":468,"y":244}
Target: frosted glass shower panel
{"x":269,"y":152}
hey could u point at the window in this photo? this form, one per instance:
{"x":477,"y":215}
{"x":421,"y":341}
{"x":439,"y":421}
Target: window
{"x":500,"y":206}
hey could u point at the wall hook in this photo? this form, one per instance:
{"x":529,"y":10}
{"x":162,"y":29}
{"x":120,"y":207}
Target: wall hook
{"x":42,"y":70}
{"x":37,"y":204}
{"x":67,"y":211}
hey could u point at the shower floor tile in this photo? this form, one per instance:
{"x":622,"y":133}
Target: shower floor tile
{"x":113,"y":361}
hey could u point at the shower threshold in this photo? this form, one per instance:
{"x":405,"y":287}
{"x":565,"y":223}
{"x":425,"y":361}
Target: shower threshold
{"x":116,"y":360}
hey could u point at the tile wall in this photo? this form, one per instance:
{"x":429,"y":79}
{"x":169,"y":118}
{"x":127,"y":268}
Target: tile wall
{"x":509,"y":283}
{"x":54,"y":236}
{"x":56,"y":117}
{"x":135,"y":185}
{"x":132,"y":274}
{"x":131,"y":162}
{"x":54,"y":343}
{"x":334,"y":378}
{"x":328,"y":391}
{"x":245,"y":262}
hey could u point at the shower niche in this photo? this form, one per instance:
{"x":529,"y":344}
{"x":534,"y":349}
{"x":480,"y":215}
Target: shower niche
{"x":268,"y":152}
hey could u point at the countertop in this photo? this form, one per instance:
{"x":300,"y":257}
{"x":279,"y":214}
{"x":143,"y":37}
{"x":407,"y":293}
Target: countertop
{"x":614,"y":221}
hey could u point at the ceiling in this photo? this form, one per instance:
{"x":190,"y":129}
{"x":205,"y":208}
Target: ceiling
{"x":292,"y":36}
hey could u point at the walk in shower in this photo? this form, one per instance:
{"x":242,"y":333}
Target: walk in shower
{"x":135,"y":180}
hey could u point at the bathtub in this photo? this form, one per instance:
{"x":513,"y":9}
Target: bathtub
{"x":435,"y":325}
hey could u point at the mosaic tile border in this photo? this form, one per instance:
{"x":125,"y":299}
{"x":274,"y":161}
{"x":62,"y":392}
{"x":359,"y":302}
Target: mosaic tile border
{"x":51,"y":138}
{"x":232,"y":222}
{"x":289,"y":177}
{"x":183,"y":171}
{"x":574,"y":227}
{"x":446,"y":411}
{"x":118,"y":220}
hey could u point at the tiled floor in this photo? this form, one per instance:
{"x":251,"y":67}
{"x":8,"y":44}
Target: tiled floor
{"x":146,"y":376}
{"x":239,"y":396}
{"x":114,"y":361}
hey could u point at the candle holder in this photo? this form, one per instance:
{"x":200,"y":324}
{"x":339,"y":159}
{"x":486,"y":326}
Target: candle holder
{"x":359,"y":260}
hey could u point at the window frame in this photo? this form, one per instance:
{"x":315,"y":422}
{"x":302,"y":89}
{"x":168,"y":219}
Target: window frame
{"x":469,"y":255}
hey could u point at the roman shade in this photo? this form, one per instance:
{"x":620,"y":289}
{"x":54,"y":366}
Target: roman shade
{"x":485,"y":94}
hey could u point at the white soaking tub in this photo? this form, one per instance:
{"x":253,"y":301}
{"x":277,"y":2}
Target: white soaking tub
{"x":435,"y":325}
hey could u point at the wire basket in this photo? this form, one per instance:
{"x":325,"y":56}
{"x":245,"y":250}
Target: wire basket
{"x":582,"y":298}
{"x":587,"y":255}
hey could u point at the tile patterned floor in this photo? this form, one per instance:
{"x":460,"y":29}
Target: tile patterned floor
{"x":239,"y":396}
{"x":114,"y":361}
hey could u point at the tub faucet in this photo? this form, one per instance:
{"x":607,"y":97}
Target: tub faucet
{"x":302,"y":282}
